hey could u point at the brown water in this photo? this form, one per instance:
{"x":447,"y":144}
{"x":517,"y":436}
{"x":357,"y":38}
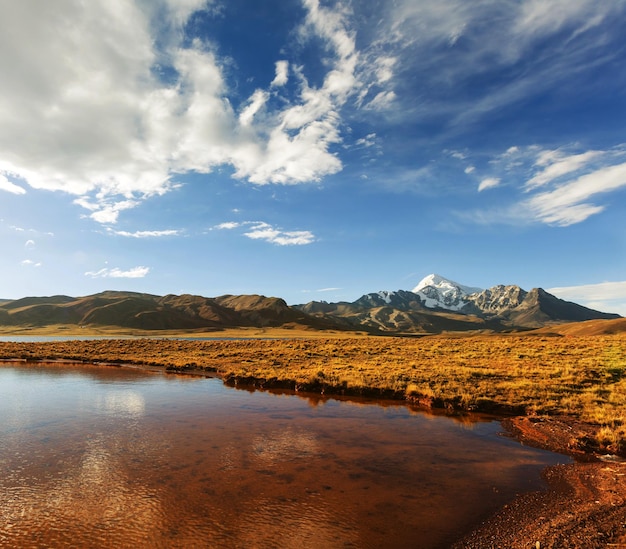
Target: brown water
{"x":111,"y":457}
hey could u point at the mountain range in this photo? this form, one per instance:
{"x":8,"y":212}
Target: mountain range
{"x":438,"y":304}
{"x":435,"y":305}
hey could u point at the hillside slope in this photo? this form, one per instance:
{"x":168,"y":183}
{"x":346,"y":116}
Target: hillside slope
{"x":439,"y":306}
{"x":151,"y":312}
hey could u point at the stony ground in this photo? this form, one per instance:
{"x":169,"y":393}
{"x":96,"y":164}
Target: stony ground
{"x":583,"y":508}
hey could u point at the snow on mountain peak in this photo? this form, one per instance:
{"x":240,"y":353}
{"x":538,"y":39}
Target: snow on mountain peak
{"x":437,"y":291}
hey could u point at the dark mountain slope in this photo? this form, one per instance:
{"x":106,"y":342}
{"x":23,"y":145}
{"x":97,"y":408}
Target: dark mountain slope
{"x":540,"y":308}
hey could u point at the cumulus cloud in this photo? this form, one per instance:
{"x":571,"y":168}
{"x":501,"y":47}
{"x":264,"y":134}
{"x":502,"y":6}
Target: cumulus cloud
{"x":31,"y":263}
{"x":113,"y":131}
{"x":135,"y":272}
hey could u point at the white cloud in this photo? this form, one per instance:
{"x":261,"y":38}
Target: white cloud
{"x":367,"y":141}
{"x":109,"y":212}
{"x":260,"y":230}
{"x":264,"y":231}
{"x":556,"y":165}
{"x":384,"y":68}
{"x":30,"y":263}
{"x":568,"y":203}
{"x":382,"y":100}
{"x":29,"y":244}
{"x":6,"y":185}
{"x":604,"y":296}
{"x":258,"y":99}
{"x":228,"y":225}
{"x":135,"y":272}
{"x":538,"y":17}
{"x":146,"y":234}
{"x":282,"y":74}
{"x":111,"y":131}
{"x":557,"y":186}
{"x":488,"y":183}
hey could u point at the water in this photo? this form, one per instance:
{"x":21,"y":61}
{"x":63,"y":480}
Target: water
{"x":40,"y":339}
{"x":44,"y":339}
{"x":111,"y":457}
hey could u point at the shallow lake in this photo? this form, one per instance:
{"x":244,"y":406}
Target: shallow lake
{"x":95,"y":456}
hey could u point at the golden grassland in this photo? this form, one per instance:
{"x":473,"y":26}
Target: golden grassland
{"x":581,"y":377}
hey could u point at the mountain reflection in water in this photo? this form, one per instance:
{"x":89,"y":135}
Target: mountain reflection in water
{"x":113,"y":457}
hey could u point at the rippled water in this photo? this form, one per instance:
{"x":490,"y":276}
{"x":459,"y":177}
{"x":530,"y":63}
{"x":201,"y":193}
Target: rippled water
{"x":112,"y":457}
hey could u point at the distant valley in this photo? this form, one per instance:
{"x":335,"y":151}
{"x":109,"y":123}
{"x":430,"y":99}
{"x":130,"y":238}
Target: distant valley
{"x":435,"y":305}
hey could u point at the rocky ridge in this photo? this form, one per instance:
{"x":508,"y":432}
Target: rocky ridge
{"x":437,"y":304}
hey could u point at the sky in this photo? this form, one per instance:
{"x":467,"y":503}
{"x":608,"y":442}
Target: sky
{"x":312,"y":149}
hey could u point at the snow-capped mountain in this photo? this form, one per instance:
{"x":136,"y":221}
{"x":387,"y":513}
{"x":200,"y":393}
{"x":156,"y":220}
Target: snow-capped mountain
{"x":439,"y":292}
{"x":438,"y":304}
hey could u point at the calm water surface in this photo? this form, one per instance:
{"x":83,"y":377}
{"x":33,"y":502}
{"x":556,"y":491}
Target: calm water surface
{"x":111,"y":457}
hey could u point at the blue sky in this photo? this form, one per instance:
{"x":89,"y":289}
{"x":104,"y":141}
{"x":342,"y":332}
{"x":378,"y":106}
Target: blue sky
{"x":312,"y":149}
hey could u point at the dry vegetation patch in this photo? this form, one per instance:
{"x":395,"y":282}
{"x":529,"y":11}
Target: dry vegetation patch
{"x":580,"y":377}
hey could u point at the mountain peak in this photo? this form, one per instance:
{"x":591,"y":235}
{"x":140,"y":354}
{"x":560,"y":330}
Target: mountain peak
{"x":440,"y":292}
{"x":438,"y":281}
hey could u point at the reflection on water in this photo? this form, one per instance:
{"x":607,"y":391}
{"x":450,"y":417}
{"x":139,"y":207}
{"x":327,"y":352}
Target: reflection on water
{"x":110,"y":457}
{"x":122,"y":403}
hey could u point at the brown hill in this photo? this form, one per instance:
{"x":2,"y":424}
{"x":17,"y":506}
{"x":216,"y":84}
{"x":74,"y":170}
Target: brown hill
{"x":151,"y":312}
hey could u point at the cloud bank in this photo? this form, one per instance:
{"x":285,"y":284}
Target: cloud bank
{"x":109,"y":101}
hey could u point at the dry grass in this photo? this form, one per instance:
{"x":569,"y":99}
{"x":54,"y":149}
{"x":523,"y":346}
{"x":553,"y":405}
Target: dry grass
{"x":584,"y":377}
